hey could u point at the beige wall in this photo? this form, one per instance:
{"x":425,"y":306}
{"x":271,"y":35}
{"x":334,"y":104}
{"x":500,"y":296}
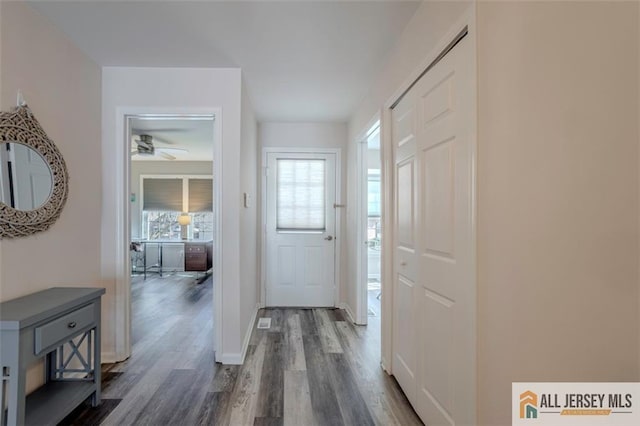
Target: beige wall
{"x":62,"y":87}
{"x":557,"y":196}
{"x":249,"y":235}
{"x":421,"y":36}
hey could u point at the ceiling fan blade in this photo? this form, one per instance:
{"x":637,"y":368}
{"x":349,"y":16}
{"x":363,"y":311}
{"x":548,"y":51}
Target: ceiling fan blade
{"x":136,"y":134}
{"x":159,"y":129}
{"x":162,"y":140}
{"x":177,"y":151}
{"x":165,"y":155}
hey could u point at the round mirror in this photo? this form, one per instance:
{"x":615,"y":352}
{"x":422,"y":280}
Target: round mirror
{"x":33,"y":176}
{"x":25,"y":177}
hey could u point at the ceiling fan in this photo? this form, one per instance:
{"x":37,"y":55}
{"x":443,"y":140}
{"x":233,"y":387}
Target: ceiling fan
{"x":146,"y":147}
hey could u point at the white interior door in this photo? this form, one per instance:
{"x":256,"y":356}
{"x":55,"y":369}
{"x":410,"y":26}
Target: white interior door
{"x":300,"y":229}
{"x":434,"y":304}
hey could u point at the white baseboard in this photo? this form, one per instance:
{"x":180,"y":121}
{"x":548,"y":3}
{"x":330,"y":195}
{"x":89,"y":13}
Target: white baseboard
{"x":385,"y":366}
{"x":108,"y":358}
{"x":232,"y":359}
{"x":238,"y":358}
{"x":347,"y":308}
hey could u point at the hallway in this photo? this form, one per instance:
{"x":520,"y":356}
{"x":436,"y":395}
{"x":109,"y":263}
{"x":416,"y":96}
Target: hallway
{"x":311,"y":367}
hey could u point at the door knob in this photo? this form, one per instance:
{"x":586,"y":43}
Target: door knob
{"x":328,"y":238}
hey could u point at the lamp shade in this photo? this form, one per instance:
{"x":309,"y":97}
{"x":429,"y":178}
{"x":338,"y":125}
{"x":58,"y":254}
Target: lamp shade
{"x":184,"y":219}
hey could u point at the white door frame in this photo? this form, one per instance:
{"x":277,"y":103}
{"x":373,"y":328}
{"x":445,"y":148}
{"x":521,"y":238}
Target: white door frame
{"x":387,"y":185}
{"x":338,"y":235}
{"x":469,"y":20}
{"x":122,"y":210}
{"x":362,"y":207}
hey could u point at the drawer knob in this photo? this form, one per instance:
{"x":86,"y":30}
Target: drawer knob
{"x":72,"y":324}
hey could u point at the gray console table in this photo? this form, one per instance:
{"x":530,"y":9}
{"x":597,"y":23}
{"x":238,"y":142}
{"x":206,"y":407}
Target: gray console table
{"x":62,"y":326}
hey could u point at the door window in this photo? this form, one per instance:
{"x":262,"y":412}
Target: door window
{"x":300,"y":195}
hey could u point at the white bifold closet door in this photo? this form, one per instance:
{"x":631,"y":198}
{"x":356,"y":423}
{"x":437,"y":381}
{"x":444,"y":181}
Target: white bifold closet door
{"x":434,"y":345}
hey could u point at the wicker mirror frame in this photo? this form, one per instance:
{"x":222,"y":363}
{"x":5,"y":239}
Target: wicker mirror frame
{"x":20,"y":126}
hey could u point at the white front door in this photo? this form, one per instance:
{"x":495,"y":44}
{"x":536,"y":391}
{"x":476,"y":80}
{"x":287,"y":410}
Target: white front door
{"x":434,"y":343}
{"x":300,"y":229}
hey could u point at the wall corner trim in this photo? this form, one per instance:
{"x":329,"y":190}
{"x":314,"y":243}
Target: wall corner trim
{"x":109,"y":357}
{"x":238,"y":358}
{"x":347,"y":308}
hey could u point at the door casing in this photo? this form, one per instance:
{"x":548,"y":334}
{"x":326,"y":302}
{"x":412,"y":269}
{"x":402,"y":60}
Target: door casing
{"x":362,"y":262}
{"x":122,"y":325}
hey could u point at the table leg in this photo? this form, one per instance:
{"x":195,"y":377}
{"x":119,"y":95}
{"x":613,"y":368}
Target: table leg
{"x":97,"y":368}
{"x":16,"y":398}
{"x":144,"y":257}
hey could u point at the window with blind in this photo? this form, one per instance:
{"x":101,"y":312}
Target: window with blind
{"x":164,"y":199}
{"x":373,"y":193}
{"x":200,"y":195}
{"x":300,"y":195}
{"x":162,"y":194}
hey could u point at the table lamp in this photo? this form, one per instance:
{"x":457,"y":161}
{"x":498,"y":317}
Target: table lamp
{"x":184,"y":220}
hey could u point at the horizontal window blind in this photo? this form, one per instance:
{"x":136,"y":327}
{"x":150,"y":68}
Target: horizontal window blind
{"x":200,"y":195}
{"x":300,"y":194}
{"x":164,"y":194}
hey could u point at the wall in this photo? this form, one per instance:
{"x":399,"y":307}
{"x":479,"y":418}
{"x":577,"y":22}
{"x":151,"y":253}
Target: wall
{"x":249,"y":290}
{"x":313,"y":135}
{"x":160,"y":168}
{"x":431,"y":21}
{"x":558,"y":136}
{"x":428,"y":25}
{"x":175,"y":90}
{"x":557,"y":196}
{"x":62,"y":87}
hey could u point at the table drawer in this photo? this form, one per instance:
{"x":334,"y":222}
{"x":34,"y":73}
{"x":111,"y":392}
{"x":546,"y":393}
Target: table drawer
{"x":195,"y":248}
{"x":63,"y":328}
{"x":195,"y":262}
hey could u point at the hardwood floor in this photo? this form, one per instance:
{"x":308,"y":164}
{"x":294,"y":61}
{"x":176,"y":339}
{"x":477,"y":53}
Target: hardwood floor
{"x":312,"y":367}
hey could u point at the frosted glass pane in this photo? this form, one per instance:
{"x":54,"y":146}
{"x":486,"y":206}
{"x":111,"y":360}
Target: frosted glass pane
{"x":300,"y":200}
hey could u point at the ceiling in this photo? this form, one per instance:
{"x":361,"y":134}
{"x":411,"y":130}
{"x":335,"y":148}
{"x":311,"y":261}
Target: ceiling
{"x":186,"y":139}
{"x":301,"y":60}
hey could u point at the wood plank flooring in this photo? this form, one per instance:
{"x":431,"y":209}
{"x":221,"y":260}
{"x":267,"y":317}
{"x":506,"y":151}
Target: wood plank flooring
{"x":312,"y":367}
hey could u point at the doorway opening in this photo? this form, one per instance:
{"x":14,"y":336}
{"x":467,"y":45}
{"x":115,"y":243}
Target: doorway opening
{"x":171,"y":224}
{"x":370,"y":225}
